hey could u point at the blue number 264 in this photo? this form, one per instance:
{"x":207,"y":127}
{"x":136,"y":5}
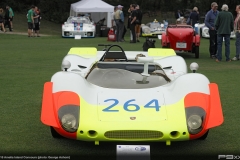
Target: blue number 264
{"x":130,"y":106}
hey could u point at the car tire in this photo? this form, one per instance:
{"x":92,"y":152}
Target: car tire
{"x":204,"y":136}
{"x":196,"y":51}
{"x":55,"y":134}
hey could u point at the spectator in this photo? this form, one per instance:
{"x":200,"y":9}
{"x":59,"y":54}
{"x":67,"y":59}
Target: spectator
{"x":129,"y":21}
{"x":7,"y":19}
{"x":11,"y":15}
{"x":237,"y":32}
{"x":133,"y":23}
{"x":209,"y":22}
{"x":1,"y":20}
{"x":36,"y":22}
{"x":30,"y":20}
{"x":124,"y":28}
{"x":224,"y":26}
{"x":39,"y":18}
{"x":194,"y":17}
{"x":138,"y":22}
{"x":178,"y":14}
{"x":119,"y":19}
{"x":113,"y":20}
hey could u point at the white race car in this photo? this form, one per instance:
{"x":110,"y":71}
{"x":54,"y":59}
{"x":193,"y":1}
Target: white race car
{"x":81,"y":25}
{"x":153,"y":29}
{"x":129,"y":96}
{"x":203,"y":31}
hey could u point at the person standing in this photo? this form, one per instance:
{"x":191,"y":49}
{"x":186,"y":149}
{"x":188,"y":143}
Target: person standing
{"x":11,"y":15}
{"x":133,"y":23}
{"x":113,"y":19}
{"x":224,"y":27}
{"x":237,"y":33}
{"x":36,"y":22}
{"x":1,"y":20}
{"x":209,"y":22}
{"x":124,"y":28}
{"x":7,"y":19}
{"x":194,"y":17}
{"x":30,"y":20}
{"x":119,"y":19}
{"x":178,"y":14}
{"x":138,"y":22}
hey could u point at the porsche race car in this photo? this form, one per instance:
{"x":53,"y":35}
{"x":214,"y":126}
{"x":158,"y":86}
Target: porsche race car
{"x":153,"y":29}
{"x":129,"y":96}
{"x":78,"y":26}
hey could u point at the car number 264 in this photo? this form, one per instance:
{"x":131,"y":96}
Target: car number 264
{"x":131,"y":105}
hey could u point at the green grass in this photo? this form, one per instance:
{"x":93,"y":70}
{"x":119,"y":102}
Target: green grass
{"x":27,"y":63}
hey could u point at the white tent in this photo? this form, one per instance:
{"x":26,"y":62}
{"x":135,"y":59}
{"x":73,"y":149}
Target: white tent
{"x":96,"y":8}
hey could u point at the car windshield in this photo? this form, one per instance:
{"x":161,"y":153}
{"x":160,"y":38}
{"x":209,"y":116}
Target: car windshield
{"x":129,"y":78}
{"x":81,"y":19}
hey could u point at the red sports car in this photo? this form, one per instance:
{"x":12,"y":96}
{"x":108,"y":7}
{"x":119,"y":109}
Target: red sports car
{"x":181,"y":37}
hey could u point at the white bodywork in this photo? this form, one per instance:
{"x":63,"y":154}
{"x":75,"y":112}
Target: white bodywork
{"x":182,"y":83}
{"x":153,"y":29}
{"x":203,"y":31}
{"x":78,"y":26}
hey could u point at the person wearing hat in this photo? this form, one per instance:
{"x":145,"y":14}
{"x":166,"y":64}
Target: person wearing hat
{"x":209,"y":22}
{"x":119,"y":20}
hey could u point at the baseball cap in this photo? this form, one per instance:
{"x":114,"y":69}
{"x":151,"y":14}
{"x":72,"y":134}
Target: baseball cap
{"x":120,"y":6}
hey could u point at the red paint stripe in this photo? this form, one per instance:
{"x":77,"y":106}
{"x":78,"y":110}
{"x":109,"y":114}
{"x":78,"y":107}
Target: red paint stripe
{"x":215,"y":113}
{"x":47,"y":113}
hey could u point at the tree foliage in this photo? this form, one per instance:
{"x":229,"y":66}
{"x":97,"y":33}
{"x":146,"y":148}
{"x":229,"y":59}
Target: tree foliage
{"x":58,"y":10}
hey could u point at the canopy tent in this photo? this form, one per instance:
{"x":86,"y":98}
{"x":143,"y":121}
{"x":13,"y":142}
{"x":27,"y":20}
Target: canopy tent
{"x":96,"y":8}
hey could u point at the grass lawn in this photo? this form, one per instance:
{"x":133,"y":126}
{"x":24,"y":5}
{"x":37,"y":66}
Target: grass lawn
{"x":27,"y":63}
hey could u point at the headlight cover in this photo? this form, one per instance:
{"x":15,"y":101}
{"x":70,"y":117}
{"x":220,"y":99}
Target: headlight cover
{"x":69,"y":117}
{"x":195,"y":117}
{"x":69,"y":122}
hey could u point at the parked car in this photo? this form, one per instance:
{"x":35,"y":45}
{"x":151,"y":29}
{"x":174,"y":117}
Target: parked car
{"x":81,"y":26}
{"x":203,"y":31}
{"x":129,"y":96}
{"x":153,"y":29}
{"x":181,"y":38}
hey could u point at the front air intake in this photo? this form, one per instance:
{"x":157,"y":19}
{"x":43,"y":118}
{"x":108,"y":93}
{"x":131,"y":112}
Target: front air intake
{"x":133,"y":134}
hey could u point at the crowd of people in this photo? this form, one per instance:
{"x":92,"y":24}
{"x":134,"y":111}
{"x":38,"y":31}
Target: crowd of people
{"x":33,"y":20}
{"x":134,"y":23}
{"x":220,"y":25}
{"x":6,"y":18}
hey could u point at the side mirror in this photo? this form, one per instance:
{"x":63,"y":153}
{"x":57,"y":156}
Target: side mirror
{"x":66,"y":65}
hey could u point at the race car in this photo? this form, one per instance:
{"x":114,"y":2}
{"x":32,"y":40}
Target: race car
{"x":152,"y":29}
{"x":80,"y":25}
{"x":203,"y":31}
{"x":129,"y":96}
